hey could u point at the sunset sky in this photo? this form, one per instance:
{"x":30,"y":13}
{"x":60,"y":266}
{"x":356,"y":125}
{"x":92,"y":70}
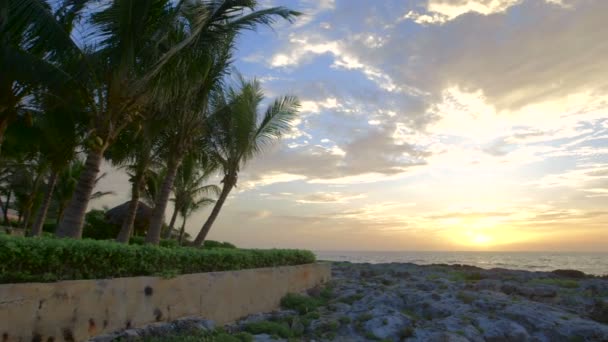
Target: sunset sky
{"x":427,"y":125}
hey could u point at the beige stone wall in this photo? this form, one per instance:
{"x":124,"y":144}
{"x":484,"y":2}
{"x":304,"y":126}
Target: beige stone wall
{"x":79,"y":309}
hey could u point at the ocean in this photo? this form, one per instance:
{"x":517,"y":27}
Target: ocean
{"x":590,"y":263}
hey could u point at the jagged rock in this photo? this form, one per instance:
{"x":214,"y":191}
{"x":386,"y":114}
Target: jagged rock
{"x":534,"y":291}
{"x":265,"y":338}
{"x":599,"y":311}
{"x":570,"y":274}
{"x":502,"y":331}
{"x":388,"y":326}
{"x":488,"y":284}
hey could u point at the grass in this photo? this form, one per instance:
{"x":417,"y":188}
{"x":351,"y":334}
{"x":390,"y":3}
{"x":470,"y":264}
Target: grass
{"x":270,"y":328}
{"x":351,"y":299}
{"x":300,"y":303}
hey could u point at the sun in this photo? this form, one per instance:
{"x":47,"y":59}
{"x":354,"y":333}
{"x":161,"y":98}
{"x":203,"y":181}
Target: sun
{"x":480,"y":239}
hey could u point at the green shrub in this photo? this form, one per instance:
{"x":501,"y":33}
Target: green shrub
{"x":300,"y":303}
{"x":140,"y":240}
{"x":270,"y":328}
{"x":217,"y":244}
{"x":42,"y":259}
{"x":96,"y":226}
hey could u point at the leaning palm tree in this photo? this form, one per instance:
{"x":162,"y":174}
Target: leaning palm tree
{"x":197,"y":72}
{"x":59,"y":129}
{"x":137,"y":43}
{"x":66,"y":183}
{"x":239,"y":132}
{"x":189,"y":207}
{"x":134,"y":150}
{"x":190,"y":184}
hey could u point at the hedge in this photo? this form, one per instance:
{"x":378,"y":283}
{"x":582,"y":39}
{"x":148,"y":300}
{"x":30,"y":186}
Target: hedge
{"x":44,"y":260}
{"x":140,"y":240}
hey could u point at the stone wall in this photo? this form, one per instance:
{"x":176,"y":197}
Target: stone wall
{"x":78,"y":309}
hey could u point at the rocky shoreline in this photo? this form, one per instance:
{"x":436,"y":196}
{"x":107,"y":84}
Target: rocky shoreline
{"x":408,"y":302}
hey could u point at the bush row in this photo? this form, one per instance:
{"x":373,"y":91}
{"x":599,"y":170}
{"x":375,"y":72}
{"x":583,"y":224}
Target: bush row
{"x":140,"y":240}
{"x":43,"y":259}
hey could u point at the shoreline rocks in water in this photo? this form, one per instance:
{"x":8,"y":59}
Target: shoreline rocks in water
{"x":408,"y":302}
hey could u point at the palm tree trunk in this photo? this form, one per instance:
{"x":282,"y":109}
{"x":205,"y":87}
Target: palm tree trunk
{"x":30,"y":201}
{"x":73,"y":217}
{"x":3,"y":127}
{"x":48,"y":196}
{"x":5,"y":210}
{"x":127,"y":225}
{"x":172,"y":223}
{"x":158,"y":215}
{"x":182,"y":231}
{"x":229,"y":182}
{"x":60,"y":211}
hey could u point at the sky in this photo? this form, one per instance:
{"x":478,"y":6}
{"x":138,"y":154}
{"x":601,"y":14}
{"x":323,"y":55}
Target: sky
{"x":427,"y":125}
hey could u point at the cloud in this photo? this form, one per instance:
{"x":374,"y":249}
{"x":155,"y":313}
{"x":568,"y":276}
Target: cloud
{"x":442,"y":11}
{"x":329,"y":197}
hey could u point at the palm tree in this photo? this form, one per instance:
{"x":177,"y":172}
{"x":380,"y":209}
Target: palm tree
{"x":134,"y":150}
{"x":139,"y":46}
{"x":187,"y":209}
{"x":239,"y":132}
{"x":32,"y":37}
{"x":67,"y":179}
{"x":190,"y":185}
{"x":59,"y":131}
{"x":188,"y":85}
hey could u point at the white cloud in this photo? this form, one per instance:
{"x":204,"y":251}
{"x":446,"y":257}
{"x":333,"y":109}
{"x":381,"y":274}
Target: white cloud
{"x":329,"y":197}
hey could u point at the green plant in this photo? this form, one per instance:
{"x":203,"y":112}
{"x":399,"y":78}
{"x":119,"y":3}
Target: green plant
{"x":465,"y":297}
{"x":407,"y":333}
{"x":168,"y":243}
{"x":271,"y":328}
{"x":344,"y":320}
{"x":96,"y":226}
{"x":300,"y":303}
{"x":43,"y":259}
{"x":364,"y":317}
{"x":351,"y":299}
{"x":217,"y":244}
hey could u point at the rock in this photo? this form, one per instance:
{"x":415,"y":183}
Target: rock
{"x":502,"y":331}
{"x":599,"y":311}
{"x":436,"y":336}
{"x":187,"y":324}
{"x":509,"y":288}
{"x":570,"y":274}
{"x":488,"y":284}
{"x":489,"y":305}
{"x":425,"y":286}
{"x":538,"y":291}
{"x":388,"y":326}
{"x":535,"y":291}
{"x":265,"y":338}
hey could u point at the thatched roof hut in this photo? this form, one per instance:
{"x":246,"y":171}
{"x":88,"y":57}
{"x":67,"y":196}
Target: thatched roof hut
{"x":118,"y":214}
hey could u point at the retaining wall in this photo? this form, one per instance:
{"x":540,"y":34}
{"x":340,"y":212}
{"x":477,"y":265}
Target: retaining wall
{"x":78,"y":309}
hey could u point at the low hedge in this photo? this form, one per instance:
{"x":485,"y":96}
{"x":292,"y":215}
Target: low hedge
{"x":140,"y":240}
{"x":44,"y":260}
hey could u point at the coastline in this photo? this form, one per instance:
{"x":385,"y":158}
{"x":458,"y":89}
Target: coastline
{"x":595,"y":263}
{"x":455,"y":303}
